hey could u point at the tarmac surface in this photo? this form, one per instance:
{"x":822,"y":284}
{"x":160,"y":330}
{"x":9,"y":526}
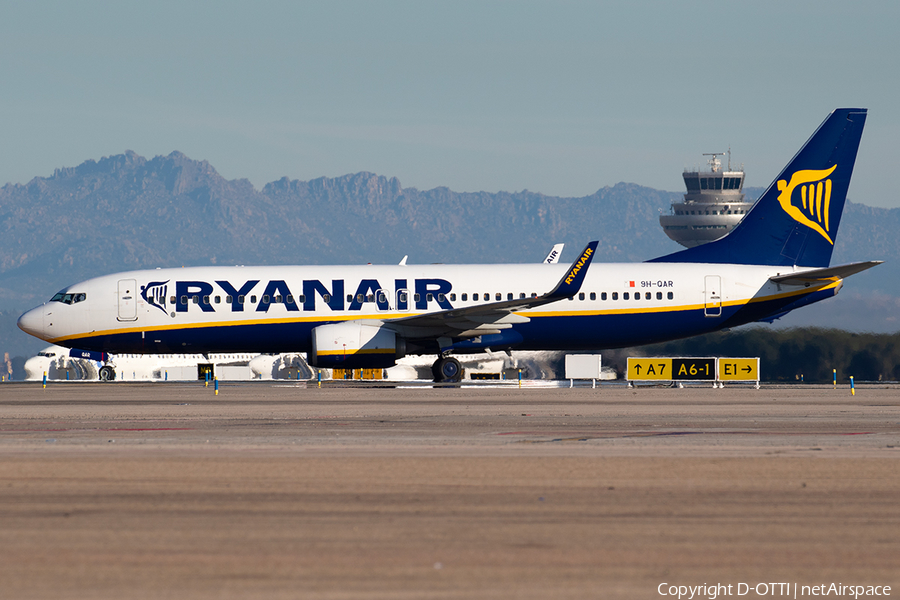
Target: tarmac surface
{"x":279,"y":490}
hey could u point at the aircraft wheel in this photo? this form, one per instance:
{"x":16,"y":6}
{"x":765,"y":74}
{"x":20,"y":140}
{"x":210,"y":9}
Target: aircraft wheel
{"x":435,"y":370}
{"x":107,"y":373}
{"x":447,"y":370}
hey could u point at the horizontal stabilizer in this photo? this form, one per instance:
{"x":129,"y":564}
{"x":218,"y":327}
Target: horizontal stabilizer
{"x":826,"y":274}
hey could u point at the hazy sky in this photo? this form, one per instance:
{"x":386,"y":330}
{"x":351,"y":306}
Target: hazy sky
{"x":557,"y":97}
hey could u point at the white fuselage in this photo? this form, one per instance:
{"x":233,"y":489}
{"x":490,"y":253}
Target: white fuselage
{"x":273,"y":308}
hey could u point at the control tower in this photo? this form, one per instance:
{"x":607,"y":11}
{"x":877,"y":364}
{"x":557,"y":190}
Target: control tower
{"x":712,"y":206}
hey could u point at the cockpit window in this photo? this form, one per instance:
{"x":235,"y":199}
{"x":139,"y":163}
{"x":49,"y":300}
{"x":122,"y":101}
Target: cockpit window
{"x":69,"y":297}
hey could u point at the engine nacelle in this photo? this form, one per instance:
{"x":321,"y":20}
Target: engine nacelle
{"x":355,"y":346}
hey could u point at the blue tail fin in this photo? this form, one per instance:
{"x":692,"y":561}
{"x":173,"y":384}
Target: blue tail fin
{"x":795,"y":222}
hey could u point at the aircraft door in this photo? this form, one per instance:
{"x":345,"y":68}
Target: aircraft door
{"x":127,"y":298}
{"x":713,"y":296}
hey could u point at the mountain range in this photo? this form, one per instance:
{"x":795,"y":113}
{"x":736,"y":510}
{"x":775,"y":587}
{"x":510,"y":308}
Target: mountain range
{"x":126,"y":212}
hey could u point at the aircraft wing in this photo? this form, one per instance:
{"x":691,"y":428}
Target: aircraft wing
{"x":825,"y":274}
{"x":490,"y":318}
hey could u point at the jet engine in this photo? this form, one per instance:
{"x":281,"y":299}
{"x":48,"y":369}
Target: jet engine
{"x":355,"y":346}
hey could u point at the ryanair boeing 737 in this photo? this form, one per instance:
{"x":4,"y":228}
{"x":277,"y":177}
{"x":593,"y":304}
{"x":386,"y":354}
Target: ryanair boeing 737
{"x":776,"y":260}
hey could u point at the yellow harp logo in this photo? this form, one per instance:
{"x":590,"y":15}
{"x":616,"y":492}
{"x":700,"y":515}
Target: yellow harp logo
{"x":815,"y":197}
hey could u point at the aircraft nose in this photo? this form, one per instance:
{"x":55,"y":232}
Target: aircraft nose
{"x":32,"y":322}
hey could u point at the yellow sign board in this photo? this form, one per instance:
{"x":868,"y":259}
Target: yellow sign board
{"x":649,"y":369}
{"x":738,"y":369}
{"x":693,"y":369}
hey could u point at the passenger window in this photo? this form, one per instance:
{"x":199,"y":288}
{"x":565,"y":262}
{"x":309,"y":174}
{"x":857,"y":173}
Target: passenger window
{"x":265,"y":299}
{"x":670,"y":296}
{"x":441,"y":297}
{"x":278,"y":299}
{"x":603,"y":295}
{"x":240,"y":299}
{"x":429,"y":297}
{"x":452,"y":297}
{"x":370,"y":298}
{"x":498,"y":296}
{"x":184,"y":299}
{"x":647,"y":296}
{"x":581,"y":295}
{"x":521,"y":295}
{"x":205,"y":299}
{"x":464,"y":297}
{"x":349,"y":297}
{"x":402,"y":296}
{"x":475,"y":297}
{"x":172,"y":300}
{"x":509,"y":296}
{"x":637,"y":295}
{"x":359,"y":298}
{"x":534,"y":294}
{"x":195,"y":299}
{"x":625,"y":296}
{"x":659,"y":295}
{"x":218,"y":299}
{"x":593,"y":295}
{"x":289,"y":299}
{"x":326,"y":298}
{"x":615,"y":295}
{"x":301,"y":298}
{"x":253,"y":299}
{"x":417,"y":297}
{"x":381,"y":298}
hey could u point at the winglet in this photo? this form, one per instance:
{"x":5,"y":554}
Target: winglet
{"x":571,"y":282}
{"x":553,"y":257}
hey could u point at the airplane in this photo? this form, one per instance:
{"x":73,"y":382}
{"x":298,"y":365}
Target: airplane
{"x":367,"y":316}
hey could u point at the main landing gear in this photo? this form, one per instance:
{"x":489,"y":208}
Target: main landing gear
{"x":446,"y":369}
{"x":107,"y":373}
